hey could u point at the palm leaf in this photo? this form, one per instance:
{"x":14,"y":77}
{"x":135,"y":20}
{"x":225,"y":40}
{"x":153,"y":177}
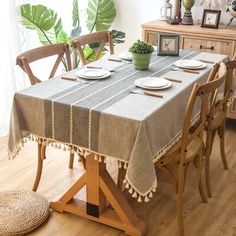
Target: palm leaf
{"x":101,"y":14}
{"x":117,"y":36}
{"x":75,"y":14}
{"x":41,"y":19}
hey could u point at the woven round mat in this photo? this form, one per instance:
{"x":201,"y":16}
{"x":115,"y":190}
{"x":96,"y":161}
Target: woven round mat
{"x":21,"y":211}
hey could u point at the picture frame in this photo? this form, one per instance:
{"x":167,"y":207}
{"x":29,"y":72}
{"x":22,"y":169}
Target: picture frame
{"x":168,"y":44}
{"x":211,"y":18}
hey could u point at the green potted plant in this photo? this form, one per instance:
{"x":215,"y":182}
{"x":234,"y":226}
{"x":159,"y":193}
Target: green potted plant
{"x":141,"y":55}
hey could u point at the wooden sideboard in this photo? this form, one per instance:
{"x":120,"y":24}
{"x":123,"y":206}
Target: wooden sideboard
{"x":196,"y":38}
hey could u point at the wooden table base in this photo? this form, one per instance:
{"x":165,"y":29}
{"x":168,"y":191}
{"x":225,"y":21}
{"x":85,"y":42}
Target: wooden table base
{"x":100,"y":189}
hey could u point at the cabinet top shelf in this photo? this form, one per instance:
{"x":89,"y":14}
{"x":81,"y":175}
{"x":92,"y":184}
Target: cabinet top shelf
{"x":224,"y":31}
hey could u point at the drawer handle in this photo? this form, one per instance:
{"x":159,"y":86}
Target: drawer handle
{"x":204,"y":47}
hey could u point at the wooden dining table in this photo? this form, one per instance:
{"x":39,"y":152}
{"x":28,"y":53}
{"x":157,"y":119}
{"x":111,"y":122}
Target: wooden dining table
{"x":109,"y":120}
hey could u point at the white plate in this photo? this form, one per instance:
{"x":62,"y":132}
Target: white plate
{"x":190,"y":64}
{"x":126,"y":56}
{"x":88,"y":73}
{"x":152,"y":83}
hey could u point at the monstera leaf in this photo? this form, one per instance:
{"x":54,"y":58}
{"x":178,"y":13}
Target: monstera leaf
{"x":117,"y":36}
{"x":41,"y":19}
{"x":101,"y":14}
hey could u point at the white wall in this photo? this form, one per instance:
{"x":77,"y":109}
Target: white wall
{"x":132,"y":13}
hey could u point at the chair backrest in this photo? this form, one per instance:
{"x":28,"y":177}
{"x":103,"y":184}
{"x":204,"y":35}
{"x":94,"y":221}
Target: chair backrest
{"x":98,"y":37}
{"x":218,"y":111}
{"x":25,"y":58}
{"x":204,"y":92}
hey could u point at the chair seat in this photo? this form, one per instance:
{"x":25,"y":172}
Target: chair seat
{"x":172,"y":156}
{"x":21,"y":212}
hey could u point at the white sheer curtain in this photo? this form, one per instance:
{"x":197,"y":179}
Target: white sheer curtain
{"x":11,"y":79}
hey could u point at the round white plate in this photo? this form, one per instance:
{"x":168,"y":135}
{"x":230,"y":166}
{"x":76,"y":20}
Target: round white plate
{"x":88,"y":73}
{"x":152,"y":83}
{"x":126,"y":56}
{"x":190,"y":64}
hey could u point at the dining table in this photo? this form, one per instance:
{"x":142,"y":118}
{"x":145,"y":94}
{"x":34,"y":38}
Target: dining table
{"x":109,"y":120}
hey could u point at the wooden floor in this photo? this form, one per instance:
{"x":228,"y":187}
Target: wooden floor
{"x":217,"y":218}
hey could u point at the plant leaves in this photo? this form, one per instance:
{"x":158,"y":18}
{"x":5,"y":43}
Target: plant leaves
{"x":118,"y":36}
{"x":101,"y":14}
{"x":62,"y":37}
{"x":75,"y":32}
{"x":37,"y":17}
{"x":75,"y":14}
{"x":41,"y":19}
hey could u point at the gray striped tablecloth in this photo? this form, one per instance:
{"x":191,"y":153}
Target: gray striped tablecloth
{"x":105,"y":118}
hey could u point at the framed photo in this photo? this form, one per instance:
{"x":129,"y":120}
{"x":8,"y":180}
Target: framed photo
{"x":211,"y":18}
{"x":168,"y":44}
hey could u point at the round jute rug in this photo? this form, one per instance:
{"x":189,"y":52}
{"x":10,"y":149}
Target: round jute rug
{"x":21,"y":211}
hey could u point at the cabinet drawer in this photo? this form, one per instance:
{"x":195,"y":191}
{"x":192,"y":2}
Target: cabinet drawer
{"x":151,"y":37}
{"x":225,"y":47}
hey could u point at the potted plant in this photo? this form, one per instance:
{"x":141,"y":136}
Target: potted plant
{"x":141,"y":55}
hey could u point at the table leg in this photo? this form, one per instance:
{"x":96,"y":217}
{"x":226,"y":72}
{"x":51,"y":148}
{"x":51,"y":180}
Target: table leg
{"x":100,"y":189}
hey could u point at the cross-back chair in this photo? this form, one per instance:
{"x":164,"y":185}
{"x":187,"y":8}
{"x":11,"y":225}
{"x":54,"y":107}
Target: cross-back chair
{"x":216,"y":122}
{"x":191,"y":148}
{"x":98,"y":37}
{"x":23,"y":60}
{"x":27,"y":57}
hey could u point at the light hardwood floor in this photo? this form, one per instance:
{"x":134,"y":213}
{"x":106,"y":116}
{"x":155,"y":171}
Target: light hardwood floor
{"x":217,"y":218}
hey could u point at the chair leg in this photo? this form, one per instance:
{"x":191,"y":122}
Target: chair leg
{"x":200,"y":161}
{"x":39,"y":168}
{"x":181,"y":181}
{"x":207,"y":162}
{"x":71,"y":161}
{"x":222,"y":146}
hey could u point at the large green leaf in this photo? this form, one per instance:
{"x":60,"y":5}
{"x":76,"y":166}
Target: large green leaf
{"x":101,"y":14}
{"x":118,"y":36}
{"x":75,"y":14}
{"x":41,"y":19}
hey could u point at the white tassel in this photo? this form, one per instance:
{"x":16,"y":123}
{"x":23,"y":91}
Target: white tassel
{"x":127,"y":185}
{"x":139,"y":199}
{"x":154,"y":189}
{"x":125,"y":181}
{"x":130,"y":191}
{"x":100,"y":159}
{"x":146,"y":199}
{"x":135,"y":195}
{"x":150,"y":195}
{"x":95,"y":157}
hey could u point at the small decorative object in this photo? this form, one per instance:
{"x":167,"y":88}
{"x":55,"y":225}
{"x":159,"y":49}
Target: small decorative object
{"x":168,"y":44}
{"x":176,"y":13}
{"x":211,"y":18}
{"x":141,"y":55}
{"x":232,"y":10}
{"x":166,"y":10}
{"x":187,"y":19}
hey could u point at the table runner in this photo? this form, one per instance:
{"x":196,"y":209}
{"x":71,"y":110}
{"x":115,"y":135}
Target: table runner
{"x":103,"y":117}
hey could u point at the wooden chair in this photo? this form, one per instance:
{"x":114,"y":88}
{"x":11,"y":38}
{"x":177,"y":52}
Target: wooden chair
{"x":24,"y":60}
{"x":98,"y":37}
{"x":216,"y":122}
{"x":191,"y":147}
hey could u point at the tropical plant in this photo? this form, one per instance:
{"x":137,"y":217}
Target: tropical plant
{"x":141,"y":47}
{"x":100,"y":15}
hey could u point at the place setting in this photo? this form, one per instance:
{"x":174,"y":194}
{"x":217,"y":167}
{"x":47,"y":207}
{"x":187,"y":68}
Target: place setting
{"x":189,"y":66}
{"x":149,"y":85}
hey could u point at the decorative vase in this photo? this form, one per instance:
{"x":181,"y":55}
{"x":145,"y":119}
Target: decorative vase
{"x":141,"y":61}
{"x":187,"y":19}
